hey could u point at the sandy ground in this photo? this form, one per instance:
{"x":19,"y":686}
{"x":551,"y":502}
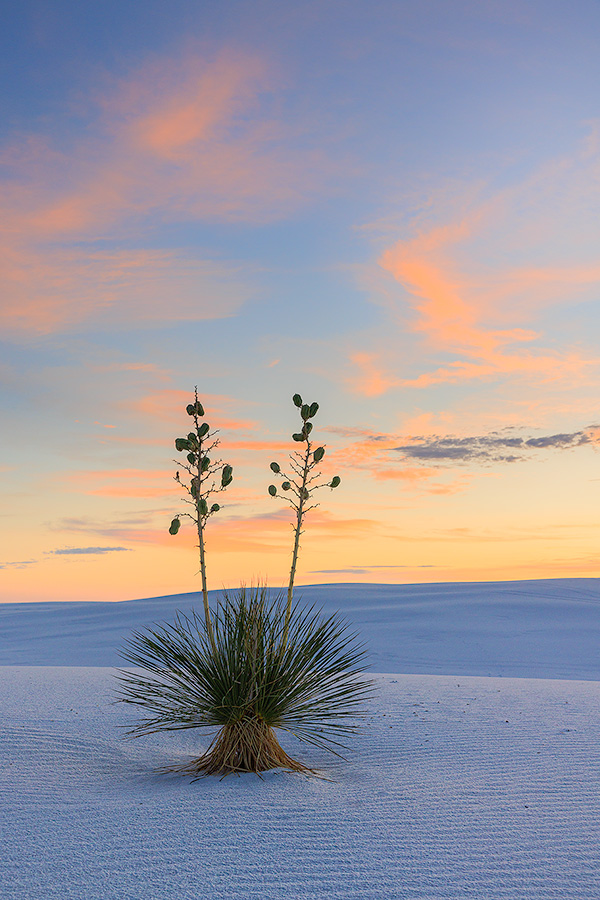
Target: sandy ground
{"x":465,"y":782}
{"x":457,"y":788}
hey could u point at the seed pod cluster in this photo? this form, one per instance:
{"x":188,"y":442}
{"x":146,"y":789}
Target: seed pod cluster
{"x":197,"y":458}
{"x":195,"y":409}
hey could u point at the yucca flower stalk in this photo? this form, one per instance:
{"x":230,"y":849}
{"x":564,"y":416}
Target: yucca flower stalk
{"x":299,"y":487}
{"x":242,"y":682}
{"x":198,"y":445}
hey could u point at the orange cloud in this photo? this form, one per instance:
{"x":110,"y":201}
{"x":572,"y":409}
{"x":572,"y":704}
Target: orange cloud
{"x":450,"y":315}
{"x":370,"y":379}
{"x":468,"y":303}
{"x":124,"y":483}
{"x":271,"y":446}
{"x":593,"y":433}
{"x":180,"y":138}
{"x":272,"y":532}
{"x":168,"y":405}
{"x":194,"y":105}
{"x":45,"y":289}
{"x":183,"y":139}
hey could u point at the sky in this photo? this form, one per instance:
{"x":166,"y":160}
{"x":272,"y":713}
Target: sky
{"x":390,"y":208}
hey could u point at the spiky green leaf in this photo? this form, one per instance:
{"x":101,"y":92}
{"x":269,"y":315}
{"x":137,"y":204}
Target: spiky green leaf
{"x":305,"y":411}
{"x":335,"y":481}
{"x":297,"y":399}
{"x":319,"y":454}
{"x":226,"y":476}
{"x":272,"y":490}
{"x":190,"y":409}
{"x":174,"y":527}
{"x":312,"y":686}
{"x":314,"y":408}
{"x":204,"y":465}
{"x":286,"y":486}
{"x":215,"y":508}
{"x":203,"y":430}
{"x":191,"y":458}
{"x":202,"y":506}
{"x":182,"y":444}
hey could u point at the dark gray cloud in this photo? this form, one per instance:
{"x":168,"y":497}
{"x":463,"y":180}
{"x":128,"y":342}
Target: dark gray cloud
{"x":83,"y":550}
{"x":494,"y":447}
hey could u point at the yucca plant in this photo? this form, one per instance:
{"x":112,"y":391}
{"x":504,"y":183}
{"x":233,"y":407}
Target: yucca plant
{"x":248,"y":686}
{"x":256,"y":664}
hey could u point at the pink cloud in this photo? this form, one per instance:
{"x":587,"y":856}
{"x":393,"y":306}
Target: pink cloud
{"x":168,"y":405}
{"x":124,"y":483}
{"x":181,"y":140}
{"x":453,"y":319}
{"x":45,"y":289}
{"x":271,"y":532}
{"x":469,"y":303}
{"x":369,"y":377}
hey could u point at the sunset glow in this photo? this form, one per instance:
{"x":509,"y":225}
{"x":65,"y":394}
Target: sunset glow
{"x":391,"y":208}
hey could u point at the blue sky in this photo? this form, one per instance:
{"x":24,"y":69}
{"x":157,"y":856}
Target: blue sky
{"x":389,"y":207}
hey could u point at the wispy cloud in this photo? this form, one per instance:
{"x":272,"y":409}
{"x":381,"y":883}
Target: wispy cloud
{"x":168,"y":405}
{"x":48,"y":288}
{"x":480,"y":317}
{"x":78,"y":551}
{"x":123,"y":482}
{"x":133,"y":528}
{"x":365,"y":570}
{"x":183,"y":139}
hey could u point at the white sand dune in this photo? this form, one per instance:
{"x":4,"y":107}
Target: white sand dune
{"x":466,"y":782}
{"x":531,"y":629}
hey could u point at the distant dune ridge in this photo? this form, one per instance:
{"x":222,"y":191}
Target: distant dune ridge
{"x":476,"y":775}
{"x":529,"y":629}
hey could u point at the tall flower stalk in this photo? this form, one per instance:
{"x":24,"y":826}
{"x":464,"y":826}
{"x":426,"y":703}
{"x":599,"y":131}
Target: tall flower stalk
{"x":299,"y":487}
{"x":262,"y":665}
{"x":203,"y":483}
